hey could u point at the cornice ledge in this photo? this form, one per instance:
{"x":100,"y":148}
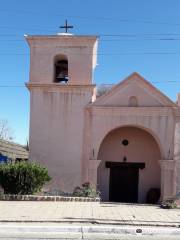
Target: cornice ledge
{"x":56,"y":86}
{"x":130,"y":111}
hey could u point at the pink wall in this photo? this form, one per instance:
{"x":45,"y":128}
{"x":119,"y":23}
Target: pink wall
{"x":142,"y":148}
{"x":57,"y":110}
{"x":56,"y":132}
{"x":80,"y":52}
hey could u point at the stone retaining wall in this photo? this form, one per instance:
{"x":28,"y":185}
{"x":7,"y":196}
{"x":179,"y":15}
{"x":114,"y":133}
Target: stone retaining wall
{"x":7,"y":197}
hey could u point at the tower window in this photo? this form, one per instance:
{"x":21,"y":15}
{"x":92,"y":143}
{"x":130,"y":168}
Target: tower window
{"x":61,"y":71}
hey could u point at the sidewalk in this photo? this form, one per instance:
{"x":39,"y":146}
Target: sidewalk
{"x":88,"y":213}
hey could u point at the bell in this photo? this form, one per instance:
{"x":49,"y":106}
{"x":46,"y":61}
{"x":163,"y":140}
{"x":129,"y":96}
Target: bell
{"x":62,"y":71}
{"x":62,"y":78}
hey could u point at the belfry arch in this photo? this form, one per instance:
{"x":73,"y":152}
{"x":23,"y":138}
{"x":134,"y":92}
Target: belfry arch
{"x":61,"y":71}
{"x":128,"y":148}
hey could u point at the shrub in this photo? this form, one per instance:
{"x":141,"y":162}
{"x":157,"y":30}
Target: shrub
{"x":87,"y":190}
{"x":169,"y":204}
{"x":23,"y":177}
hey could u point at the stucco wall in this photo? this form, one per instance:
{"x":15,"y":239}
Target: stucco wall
{"x":177,"y":153}
{"x":80,"y":52}
{"x":57,"y":111}
{"x":56,"y":130}
{"x":160,"y":122}
{"x":157,"y":121}
{"x":142,"y":148}
{"x":121,"y":98}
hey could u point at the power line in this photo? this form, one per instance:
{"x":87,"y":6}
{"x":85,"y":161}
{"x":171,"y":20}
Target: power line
{"x":165,"y":36}
{"x":132,"y":35}
{"x":27,"y":28}
{"x":105,"y":84}
{"x":138,"y":34}
{"x":101,"y":54}
{"x":12,"y":86}
{"x":113,"y":84}
{"x":12,"y":40}
{"x":127,"y":38}
{"x":91,"y":18}
{"x":109,"y":40}
{"x":140,"y":39}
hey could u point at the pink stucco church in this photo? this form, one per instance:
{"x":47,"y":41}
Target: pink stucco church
{"x":125,"y":142}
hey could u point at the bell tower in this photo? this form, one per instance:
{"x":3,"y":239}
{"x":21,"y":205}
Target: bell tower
{"x":68,"y":57}
{"x":60,"y":85}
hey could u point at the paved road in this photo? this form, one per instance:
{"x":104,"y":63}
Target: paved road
{"x":104,"y":213}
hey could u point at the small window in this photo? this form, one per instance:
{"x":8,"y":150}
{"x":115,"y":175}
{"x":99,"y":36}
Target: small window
{"x":125,"y":142}
{"x":133,"y":102}
{"x":61,"y":71}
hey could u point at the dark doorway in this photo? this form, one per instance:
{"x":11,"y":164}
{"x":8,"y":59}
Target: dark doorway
{"x":124,"y":179}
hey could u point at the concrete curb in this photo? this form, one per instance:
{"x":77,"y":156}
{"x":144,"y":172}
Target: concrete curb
{"x":13,"y":197}
{"x":96,"y":222}
{"x":12,"y":229}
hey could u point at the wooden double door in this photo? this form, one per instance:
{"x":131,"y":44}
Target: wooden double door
{"x":124,"y":181}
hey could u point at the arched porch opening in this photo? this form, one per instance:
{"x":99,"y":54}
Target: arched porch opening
{"x":129,"y":165}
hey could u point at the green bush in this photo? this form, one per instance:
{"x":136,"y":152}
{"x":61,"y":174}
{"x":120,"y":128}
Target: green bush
{"x":169,"y":204}
{"x":23,"y":177}
{"x":87,"y":190}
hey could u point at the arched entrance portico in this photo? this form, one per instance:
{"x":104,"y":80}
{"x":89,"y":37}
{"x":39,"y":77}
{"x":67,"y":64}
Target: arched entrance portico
{"x":129,"y":165}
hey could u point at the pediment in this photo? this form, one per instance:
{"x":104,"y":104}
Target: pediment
{"x":134,"y":88}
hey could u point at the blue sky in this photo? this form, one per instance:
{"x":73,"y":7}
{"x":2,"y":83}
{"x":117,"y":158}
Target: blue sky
{"x":142,"y":36}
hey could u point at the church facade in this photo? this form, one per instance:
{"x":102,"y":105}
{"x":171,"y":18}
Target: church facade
{"x":125,"y":142}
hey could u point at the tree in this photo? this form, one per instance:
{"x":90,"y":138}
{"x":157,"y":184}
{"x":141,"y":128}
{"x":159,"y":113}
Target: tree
{"x":6,"y":133}
{"x":103,"y":88}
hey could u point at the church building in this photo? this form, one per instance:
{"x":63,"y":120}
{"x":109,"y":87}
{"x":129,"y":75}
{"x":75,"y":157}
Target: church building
{"x":125,"y":142}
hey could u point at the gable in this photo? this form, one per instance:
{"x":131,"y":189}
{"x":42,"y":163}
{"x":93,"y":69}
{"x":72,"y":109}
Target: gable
{"x":134,"y":89}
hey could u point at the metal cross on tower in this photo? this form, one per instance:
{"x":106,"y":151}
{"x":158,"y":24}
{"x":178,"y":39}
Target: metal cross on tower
{"x":66,"y":26}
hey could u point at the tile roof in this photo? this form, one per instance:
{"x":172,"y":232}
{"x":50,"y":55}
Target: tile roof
{"x":13,"y":150}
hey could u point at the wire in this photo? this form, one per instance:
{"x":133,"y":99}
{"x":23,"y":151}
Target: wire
{"x":5,"y":86}
{"x":139,"y":34}
{"x":112,"y":84}
{"x":101,"y":35}
{"x":101,"y":54}
{"x":25,"y":28}
{"x":122,"y":38}
{"x":108,"y":40}
{"x":91,"y":18}
{"x":10,"y":35}
{"x":99,"y":85}
{"x":142,"y":39}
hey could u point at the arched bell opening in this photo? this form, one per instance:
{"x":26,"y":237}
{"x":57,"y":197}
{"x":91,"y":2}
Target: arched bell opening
{"x":61,"y":69}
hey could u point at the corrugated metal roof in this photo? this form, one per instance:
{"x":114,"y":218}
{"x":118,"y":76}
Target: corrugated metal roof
{"x":13,"y":150}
